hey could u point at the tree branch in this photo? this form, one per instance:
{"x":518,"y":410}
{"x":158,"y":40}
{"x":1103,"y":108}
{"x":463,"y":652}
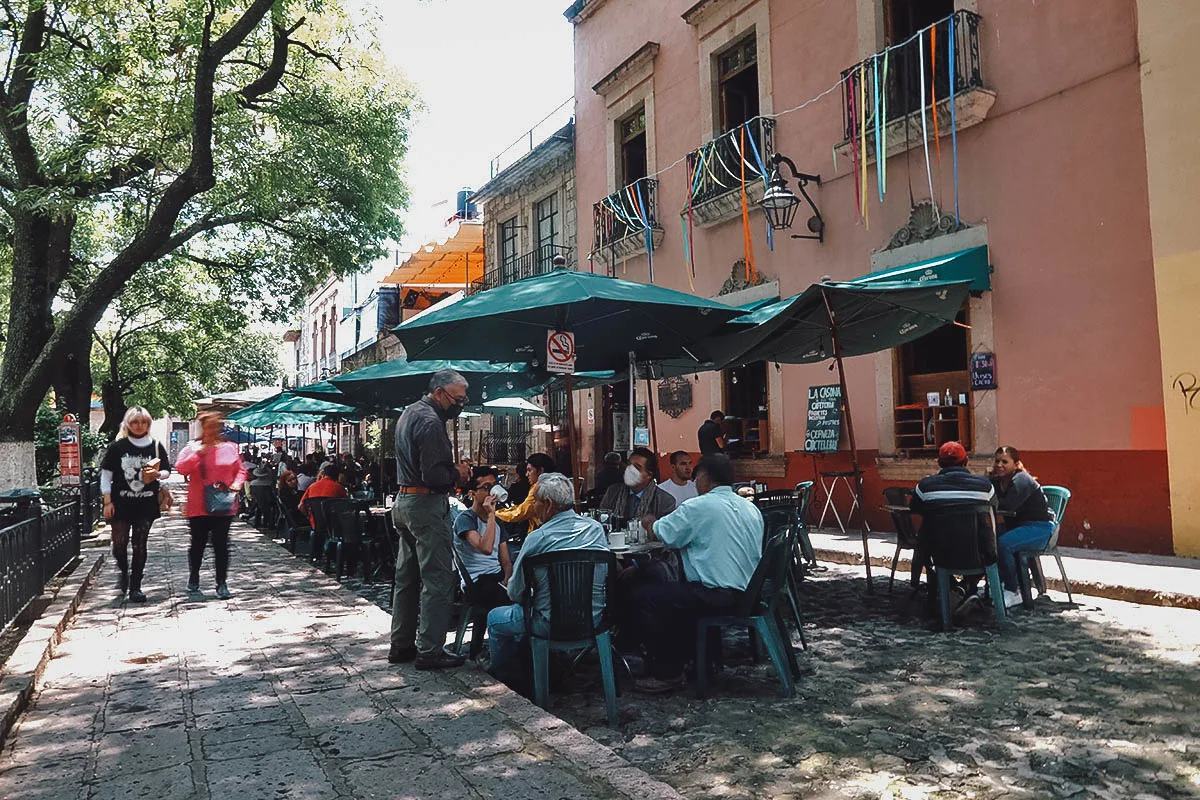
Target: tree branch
{"x":271,"y":76}
{"x":14,"y":102}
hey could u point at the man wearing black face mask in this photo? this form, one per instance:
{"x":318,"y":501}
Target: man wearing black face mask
{"x":425,"y":576}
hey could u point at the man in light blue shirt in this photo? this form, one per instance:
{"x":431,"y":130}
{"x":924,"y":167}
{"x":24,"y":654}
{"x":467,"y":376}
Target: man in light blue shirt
{"x":719,"y":537}
{"x":561,"y":529}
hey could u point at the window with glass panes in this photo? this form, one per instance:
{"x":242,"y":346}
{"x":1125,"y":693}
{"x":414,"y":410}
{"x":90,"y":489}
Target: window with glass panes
{"x":632,"y":131}
{"x":545,"y":214}
{"x":508,"y":250}
{"x":737,"y":73}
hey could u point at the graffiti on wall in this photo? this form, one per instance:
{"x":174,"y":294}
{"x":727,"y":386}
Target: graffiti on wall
{"x":1188,"y":386}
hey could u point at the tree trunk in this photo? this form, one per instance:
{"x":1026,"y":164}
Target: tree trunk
{"x":41,"y":253}
{"x":114,"y":406}
{"x":73,"y":382}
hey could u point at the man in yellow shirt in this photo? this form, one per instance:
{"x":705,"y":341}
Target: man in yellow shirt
{"x":535,"y":466}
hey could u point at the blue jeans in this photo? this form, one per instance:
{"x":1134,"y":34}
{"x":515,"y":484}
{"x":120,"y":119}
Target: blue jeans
{"x":506,"y":630}
{"x":1031,"y":535}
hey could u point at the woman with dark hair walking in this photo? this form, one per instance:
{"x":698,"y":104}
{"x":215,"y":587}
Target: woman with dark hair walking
{"x":217,"y":475}
{"x":130,"y":473}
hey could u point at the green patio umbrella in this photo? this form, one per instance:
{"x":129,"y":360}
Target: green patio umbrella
{"x":399,"y":382}
{"x":615,"y":324}
{"x":322,"y":390}
{"x":513,"y":406}
{"x":610,"y":318}
{"x":863,"y":318}
{"x":834,"y":320}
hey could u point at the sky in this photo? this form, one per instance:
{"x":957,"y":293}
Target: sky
{"x":487,"y":71}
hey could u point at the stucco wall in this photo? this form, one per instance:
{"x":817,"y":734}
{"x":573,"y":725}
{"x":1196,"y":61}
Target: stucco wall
{"x":1056,"y":172}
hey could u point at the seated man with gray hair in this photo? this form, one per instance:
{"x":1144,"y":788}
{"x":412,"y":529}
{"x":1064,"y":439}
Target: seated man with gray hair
{"x":561,"y":529}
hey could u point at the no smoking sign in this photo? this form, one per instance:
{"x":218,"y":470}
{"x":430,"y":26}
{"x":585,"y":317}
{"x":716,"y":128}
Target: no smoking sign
{"x":560,"y":351}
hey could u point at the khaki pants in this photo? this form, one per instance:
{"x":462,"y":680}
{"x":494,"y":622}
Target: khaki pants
{"x":425,"y":576}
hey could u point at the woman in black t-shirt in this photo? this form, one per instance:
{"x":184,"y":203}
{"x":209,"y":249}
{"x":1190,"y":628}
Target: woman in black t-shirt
{"x":130,"y":473}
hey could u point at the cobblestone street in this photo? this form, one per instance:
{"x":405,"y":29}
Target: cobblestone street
{"x":1102,"y":700}
{"x":283,"y":690}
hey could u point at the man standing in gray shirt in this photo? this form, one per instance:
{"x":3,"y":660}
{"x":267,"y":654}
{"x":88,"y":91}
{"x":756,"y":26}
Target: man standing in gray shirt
{"x":425,"y":576}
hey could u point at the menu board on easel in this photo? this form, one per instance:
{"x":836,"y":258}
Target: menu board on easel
{"x":824,"y":427}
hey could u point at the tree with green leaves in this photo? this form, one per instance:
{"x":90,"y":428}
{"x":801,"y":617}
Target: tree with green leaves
{"x":258,"y":141}
{"x":168,"y":339}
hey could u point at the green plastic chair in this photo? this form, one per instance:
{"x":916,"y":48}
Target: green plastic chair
{"x":961,"y":538}
{"x":570,"y":577}
{"x":1029,"y":561}
{"x":781,"y":516}
{"x":759,"y":611}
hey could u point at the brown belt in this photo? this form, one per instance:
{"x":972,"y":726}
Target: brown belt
{"x":413,"y":490}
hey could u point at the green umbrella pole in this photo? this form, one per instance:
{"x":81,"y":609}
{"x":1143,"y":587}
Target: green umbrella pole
{"x":862,"y":509}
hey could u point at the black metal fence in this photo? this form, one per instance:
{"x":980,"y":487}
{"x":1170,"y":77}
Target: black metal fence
{"x":629,"y":211}
{"x":32,"y":552}
{"x":717,"y":167}
{"x":536,"y":262}
{"x":901,"y":83}
{"x":42,"y":540}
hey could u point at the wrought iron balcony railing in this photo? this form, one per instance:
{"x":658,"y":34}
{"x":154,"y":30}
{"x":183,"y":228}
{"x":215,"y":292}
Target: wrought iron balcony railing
{"x":627,"y":213}
{"x":535,"y":262}
{"x":898,"y":71}
{"x":716,"y":168}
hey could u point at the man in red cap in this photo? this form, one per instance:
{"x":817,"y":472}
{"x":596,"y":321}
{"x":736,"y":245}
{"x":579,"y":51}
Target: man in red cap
{"x":954,"y":483}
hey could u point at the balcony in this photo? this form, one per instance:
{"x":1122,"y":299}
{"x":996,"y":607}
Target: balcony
{"x":717,"y":169}
{"x":901,"y":89}
{"x":626,"y":224}
{"x":535,"y":262}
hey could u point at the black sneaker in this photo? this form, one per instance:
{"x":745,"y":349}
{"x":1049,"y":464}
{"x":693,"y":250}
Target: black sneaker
{"x":194,"y":584}
{"x":137,"y":596}
{"x":401,"y":655}
{"x":439,"y":659}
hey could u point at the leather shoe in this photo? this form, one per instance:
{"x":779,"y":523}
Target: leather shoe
{"x":438,"y":659}
{"x":401,"y":655}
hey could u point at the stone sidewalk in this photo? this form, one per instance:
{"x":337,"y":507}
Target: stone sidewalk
{"x":281,"y":692}
{"x":1133,"y":577}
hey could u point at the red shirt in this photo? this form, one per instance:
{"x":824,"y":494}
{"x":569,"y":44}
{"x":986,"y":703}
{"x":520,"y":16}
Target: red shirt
{"x":324,"y":487}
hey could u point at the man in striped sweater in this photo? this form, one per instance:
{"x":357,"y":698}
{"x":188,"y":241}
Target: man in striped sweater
{"x":954,"y":483}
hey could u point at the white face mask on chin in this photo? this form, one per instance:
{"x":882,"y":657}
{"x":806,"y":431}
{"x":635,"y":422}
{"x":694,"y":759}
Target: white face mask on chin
{"x":633,"y":476}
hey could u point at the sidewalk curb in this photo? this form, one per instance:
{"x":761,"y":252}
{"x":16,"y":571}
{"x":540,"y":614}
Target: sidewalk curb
{"x":24,"y":668}
{"x":572,"y":744}
{"x":1128,"y":594}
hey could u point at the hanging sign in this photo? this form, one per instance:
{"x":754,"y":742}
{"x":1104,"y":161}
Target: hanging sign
{"x":560,"y":352}
{"x":983,"y":371}
{"x":824,"y":427}
{"x":68,"y":451}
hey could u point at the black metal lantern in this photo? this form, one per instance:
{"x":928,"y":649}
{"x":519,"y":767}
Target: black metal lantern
{"x":779,"y":203}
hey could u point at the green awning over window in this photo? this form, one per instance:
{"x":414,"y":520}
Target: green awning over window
{"x":965,"y":265}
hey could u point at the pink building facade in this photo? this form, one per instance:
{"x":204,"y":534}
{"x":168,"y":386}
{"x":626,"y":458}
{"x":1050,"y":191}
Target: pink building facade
{"x":1050,"y":177}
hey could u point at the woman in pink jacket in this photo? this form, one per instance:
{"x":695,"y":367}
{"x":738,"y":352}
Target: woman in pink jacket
{"x":215,"y":472}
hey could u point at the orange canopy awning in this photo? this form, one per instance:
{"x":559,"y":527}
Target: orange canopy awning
{"x":450,"y":263}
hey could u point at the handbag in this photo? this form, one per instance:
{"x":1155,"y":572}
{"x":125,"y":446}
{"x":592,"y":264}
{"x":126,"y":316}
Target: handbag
{"x":217,"y":501}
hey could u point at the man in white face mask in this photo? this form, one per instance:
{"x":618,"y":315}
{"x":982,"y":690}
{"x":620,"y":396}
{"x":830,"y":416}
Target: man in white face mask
{"x":639,"y":497}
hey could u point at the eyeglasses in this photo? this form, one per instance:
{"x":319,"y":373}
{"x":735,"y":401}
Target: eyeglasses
{"x":485,"y":487}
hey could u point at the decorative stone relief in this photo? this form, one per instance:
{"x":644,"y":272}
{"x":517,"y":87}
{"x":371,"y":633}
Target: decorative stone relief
{"x":926,"y":221}
{"x":739,"y":279}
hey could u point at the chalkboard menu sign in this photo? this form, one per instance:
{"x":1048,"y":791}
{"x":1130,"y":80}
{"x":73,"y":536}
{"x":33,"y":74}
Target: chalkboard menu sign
{"x":983,"y":371}
{"x":824,"y":427}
